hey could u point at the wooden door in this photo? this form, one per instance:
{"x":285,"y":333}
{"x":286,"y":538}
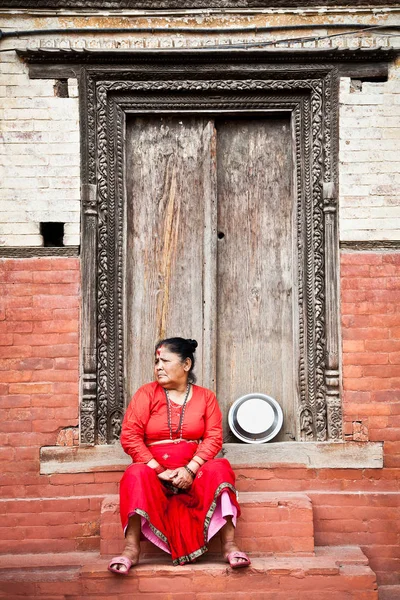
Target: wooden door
{"x":209,"y":251}
{"x":255,"y":276}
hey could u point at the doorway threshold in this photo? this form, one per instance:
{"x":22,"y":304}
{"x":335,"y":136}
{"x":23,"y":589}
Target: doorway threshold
{"x":312,"y":455}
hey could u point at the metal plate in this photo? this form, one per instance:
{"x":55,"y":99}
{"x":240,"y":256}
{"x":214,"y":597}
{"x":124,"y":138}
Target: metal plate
{"x":255,"y":418}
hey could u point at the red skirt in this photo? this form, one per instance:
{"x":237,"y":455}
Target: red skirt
{"x":181,"y":520}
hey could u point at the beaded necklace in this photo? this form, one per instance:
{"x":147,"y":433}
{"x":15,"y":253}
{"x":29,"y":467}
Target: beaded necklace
{"x":180,"y":425}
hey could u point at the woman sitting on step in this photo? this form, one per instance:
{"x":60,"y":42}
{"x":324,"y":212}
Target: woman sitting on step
{"x":176,"y":493}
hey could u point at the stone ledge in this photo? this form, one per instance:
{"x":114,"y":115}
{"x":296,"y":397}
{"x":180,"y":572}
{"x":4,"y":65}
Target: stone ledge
{"x":312,"y":455}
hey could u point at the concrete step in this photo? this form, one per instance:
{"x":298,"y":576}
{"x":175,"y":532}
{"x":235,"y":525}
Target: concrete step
{"x":278,"y":523}
{"x":50,"y":524}
{"x":332,"y":573}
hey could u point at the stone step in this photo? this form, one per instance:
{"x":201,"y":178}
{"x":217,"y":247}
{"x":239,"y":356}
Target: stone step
{"x":332,"y":573}
{"x":278,"y":523}
{"x":50,"y":524}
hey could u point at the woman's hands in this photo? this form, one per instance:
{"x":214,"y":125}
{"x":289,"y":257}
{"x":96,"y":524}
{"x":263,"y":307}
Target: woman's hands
{"x":167,"y":475}
{"x":180,"y":478}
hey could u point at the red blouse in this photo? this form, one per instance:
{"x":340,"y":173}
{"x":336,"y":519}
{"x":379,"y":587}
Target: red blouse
{"x":146,"y":421}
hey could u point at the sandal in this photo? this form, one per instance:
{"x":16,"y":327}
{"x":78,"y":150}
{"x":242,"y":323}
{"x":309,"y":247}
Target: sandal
{"x":237,"y":565}
{"x":120,"y":560}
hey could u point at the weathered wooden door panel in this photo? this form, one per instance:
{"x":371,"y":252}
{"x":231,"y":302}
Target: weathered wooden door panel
{"x":170,"y":186}
{"x":255,"y":265}
{"x":188,"y":180}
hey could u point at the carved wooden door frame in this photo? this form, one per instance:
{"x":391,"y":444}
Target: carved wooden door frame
{"x":304,"y":83}
{"x":193,"y":82}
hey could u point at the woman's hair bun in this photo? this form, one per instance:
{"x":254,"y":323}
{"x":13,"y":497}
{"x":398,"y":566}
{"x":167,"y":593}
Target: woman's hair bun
{"x":193,"y":344}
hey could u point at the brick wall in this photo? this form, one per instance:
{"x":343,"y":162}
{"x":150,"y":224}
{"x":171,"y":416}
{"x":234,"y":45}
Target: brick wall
{"x":39,"y":156}
{"x":369,"y":170}
{"x":39,"y":397}
{"x":39,"y":363}
{"x":371,"y":349}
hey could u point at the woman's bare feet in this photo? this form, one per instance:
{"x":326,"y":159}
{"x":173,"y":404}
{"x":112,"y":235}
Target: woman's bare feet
{"x":234,"y":556}
{"x":131,"y":552}
{"x":230,"y":550}
{"x":132,"y":548}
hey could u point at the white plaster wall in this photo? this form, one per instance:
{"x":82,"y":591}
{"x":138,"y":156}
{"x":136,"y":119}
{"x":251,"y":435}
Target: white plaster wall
{"x":39,"y":156}
{"x":369,"y":171}
{"x":40,"y":153}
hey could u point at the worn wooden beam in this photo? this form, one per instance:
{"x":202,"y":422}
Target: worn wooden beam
{"x":312,"y":455}
{"x":186,"y":4}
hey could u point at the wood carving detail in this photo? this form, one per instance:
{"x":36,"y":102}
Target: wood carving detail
{"x":182,"y":4}
{"x":311,"y":100}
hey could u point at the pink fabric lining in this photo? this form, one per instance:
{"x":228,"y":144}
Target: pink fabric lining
{"x":224,"y":509}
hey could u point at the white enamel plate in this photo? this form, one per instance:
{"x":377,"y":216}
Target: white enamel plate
{"x":255,"y":418}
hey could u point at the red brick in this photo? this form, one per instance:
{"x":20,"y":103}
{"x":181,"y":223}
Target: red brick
{"x":354,"y":296}
{"x":15,"y":376}
{"x":56,"y":401}
{"x":352,"y":371}
{"x":6,"y":339}
{"x":381,"y":435}
{"x":364,"y":283}
{"x":44,"y":339}
{"x":366,"y":333}
{"x":361,"y":258}
{"x":367,"y":383}
{"x":34,"y":363}
{"x":56,"y":326}
{"x":385,"y":396}
{"x":55,"y":351}
{"x":393,"y":259}
{"x":16,"y":276}
{"x":15,"y":426}
{"x":353,"y":345}
{"x":380,"y":422}
{"x":66,"y":363}
{"x":367,"y":308}
{"x":53,"y":276}
{"x":15,"y":351}
{"x":47,"y":425}
{"x":28,"y":314}
{"x":384,"y":295}
{"x":55,"y":301}
{"x":55,"y":375}
{"x":388,"y":320}
{"x":17,"y":301}
{"x":19,"y":326}
{"x":68,"y":413}
{"x":7,"y":454}
{"x":381,"y":371}
{"x":351,"y":270}
{"x":31,"y":388}
{"x":66,"y":313}
{"x":352,"y":396}
{"x":366,"y":358}
{"x":382,"y":270}
{"x":65,"y":264}
{"x":394,"y":358}
{"x":366,"y":410}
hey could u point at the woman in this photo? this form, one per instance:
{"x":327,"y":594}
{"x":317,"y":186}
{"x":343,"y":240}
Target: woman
{"x":176,"y":493}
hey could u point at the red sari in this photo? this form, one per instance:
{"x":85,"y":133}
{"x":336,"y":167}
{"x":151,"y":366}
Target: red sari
{"x":180,"y":521}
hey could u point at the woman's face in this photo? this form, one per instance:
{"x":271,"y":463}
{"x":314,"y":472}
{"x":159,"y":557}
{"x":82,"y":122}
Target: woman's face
{"x":170,"y":371}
